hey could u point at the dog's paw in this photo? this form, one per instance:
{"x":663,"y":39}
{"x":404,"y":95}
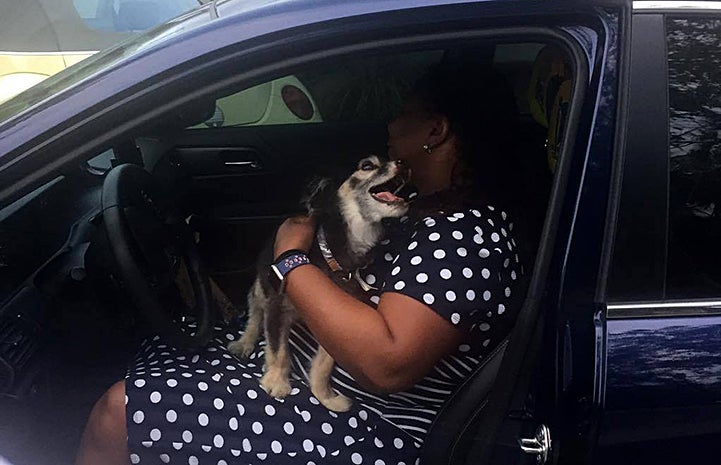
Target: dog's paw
{"x":241,"y":347}
{"x":336,"y":403}
{"x":275,"y":384}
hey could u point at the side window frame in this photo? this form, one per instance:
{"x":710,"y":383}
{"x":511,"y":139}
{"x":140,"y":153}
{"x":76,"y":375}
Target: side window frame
{"x":638,"y":270}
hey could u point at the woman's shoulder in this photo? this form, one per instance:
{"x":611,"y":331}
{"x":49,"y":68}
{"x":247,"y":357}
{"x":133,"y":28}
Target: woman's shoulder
{"x":478,"y":216}
{"x":484,"y":231}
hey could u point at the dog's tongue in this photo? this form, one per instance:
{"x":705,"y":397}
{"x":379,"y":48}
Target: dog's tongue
{"x":388,"y":197}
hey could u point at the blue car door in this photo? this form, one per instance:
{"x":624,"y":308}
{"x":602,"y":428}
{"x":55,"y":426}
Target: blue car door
{"x":658,"y":361}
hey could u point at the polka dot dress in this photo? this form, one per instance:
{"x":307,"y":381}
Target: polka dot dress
{"x":207,"y":407}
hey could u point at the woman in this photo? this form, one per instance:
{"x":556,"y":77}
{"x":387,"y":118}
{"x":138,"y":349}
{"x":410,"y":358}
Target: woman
{"x":443,"y":282}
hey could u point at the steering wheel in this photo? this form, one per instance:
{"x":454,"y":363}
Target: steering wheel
{"x":150,"y":243}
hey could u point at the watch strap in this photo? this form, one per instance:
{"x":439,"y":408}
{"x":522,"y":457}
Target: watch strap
{"x":288,"y":261}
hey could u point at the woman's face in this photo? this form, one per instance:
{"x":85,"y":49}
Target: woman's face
{"x":408,"y":132}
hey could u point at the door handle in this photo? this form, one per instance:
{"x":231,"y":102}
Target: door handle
{"x":254,"y":164}
{"x":214,"y":160}
{"x":240,"y":157}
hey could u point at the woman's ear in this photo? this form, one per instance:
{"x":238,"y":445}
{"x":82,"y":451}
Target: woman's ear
{"x":440,"y":130}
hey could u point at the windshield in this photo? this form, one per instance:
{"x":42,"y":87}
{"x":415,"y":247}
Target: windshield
{"x":77,"y":73}
{"x":42,"y":26}
{"x":129,"y":15}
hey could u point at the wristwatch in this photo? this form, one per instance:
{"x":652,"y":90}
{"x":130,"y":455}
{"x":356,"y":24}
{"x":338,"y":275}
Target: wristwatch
{"x":283,"y":265}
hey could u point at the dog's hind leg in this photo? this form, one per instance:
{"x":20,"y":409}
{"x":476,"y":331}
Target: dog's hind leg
{"x":320,"y":371}
{"x":257,"y":303}
{"x":222,"y":301}
{"x":278,"y":322}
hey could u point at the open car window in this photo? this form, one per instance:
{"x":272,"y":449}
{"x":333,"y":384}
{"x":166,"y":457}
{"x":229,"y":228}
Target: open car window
{"x":365,"y":89}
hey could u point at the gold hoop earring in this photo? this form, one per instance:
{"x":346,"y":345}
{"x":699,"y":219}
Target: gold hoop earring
{"x":427,"y":148}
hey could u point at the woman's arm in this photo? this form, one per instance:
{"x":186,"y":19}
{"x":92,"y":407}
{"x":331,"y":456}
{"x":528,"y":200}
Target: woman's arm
{"x":386,"y":349}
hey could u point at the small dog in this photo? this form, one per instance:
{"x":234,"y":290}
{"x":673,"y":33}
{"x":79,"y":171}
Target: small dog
{"x":349,"y":226}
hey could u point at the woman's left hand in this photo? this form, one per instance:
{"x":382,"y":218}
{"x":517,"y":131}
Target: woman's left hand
{"x":295,"y":233}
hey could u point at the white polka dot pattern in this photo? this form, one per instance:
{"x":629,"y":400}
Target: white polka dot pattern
{"x":207,"y":406}
{"x":450,"y":245}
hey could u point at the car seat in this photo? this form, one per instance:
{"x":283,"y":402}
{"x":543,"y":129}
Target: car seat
{"x":549,"y":95}
{"x":451,"y":433}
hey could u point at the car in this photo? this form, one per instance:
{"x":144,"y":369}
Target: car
{"x":614,"y":357}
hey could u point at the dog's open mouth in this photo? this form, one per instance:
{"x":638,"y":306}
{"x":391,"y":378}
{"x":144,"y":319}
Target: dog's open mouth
{"x":395,"y":191}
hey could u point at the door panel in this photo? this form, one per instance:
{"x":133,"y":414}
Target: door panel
{"x":241,"y":183}
{"x":663,"y":380}
{"x":240,"y":174}
{"x":663,"y":362}
{"x":659,"y":362}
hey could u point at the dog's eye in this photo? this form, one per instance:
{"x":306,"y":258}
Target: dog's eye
{"x":367,"y":166}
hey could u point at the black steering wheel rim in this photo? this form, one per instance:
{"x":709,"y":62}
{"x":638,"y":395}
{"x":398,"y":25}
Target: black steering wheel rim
{"x":130,"y":185}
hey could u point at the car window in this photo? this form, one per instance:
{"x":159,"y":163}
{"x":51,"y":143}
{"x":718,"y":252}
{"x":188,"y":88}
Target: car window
{"x":43,"y":37}
{"x":352,"y":90}
{"x":667,"y":243}
{"x":694,"y":75}
{"x":129,"y":15}
{"x":70,"y":77}
{"x":366,"y":89}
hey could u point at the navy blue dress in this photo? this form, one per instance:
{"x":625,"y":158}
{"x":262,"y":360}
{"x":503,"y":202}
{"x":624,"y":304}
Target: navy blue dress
{"x":207,"y":407}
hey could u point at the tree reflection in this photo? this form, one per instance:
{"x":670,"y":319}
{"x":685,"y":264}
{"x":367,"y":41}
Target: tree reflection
{"x":694,"y":69}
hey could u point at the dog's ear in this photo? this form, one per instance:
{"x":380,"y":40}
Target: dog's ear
{"x":318,"y":195}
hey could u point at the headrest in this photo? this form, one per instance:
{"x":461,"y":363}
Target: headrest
{"x":549,"y":96}
{"x":550,"y":69}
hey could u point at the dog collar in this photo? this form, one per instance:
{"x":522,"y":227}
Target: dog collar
{"x":326,"y":252}
{"x":333,"y":263}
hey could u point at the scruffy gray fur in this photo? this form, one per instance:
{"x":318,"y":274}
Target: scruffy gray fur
{"x":351,"y":215}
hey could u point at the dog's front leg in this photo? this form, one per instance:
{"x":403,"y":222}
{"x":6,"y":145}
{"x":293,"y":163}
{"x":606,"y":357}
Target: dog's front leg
{"x":320,"y":372}
{"x":278,"y":322}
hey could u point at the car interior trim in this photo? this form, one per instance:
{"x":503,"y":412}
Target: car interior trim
{"x":663,"y":309}
{"x":9,"y":210}
{"x":676,"y":6}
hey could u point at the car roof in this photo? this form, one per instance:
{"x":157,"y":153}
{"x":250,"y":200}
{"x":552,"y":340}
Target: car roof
{"x":308,"y":10}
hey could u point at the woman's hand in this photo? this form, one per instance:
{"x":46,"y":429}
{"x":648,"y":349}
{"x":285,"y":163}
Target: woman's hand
{"x":295,"y":233}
